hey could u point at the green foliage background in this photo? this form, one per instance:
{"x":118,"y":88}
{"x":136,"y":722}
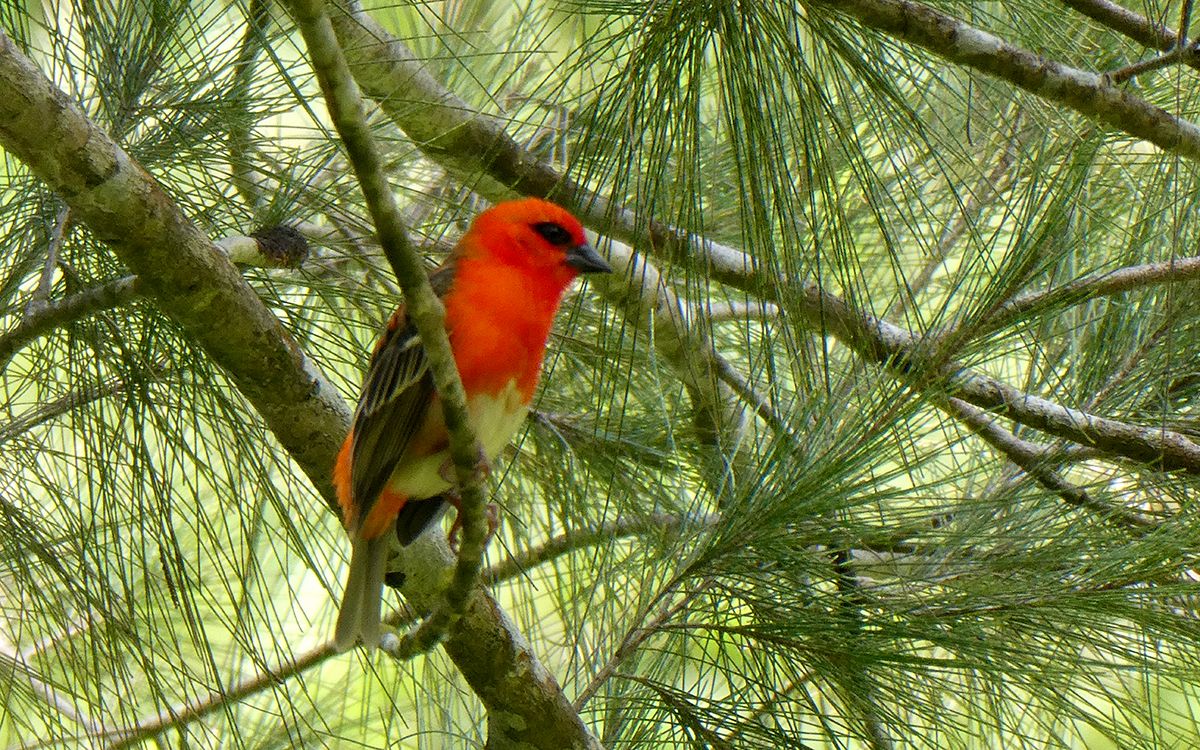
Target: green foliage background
{"x":873,"y":574}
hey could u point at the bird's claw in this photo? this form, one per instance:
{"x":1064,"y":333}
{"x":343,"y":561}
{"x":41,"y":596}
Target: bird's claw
{"x":491,"y":510}
{"x":482,"y":468}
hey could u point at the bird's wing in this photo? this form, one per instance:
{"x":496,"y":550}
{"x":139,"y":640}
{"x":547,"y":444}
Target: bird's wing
{"x":395,"y":397}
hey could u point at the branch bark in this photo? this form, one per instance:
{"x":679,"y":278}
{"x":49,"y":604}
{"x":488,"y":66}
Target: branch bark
{"x":179,"y":268}
{"x":1085,"y":92}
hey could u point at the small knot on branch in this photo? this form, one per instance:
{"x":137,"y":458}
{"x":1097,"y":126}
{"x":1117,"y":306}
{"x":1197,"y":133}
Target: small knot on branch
{"x":281,"y":246}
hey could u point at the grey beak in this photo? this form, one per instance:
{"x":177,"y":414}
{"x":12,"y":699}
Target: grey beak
{"x":584,"y":259}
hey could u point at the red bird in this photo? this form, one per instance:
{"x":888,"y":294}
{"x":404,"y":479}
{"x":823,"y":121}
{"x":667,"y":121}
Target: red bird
{"x":501,"y":286}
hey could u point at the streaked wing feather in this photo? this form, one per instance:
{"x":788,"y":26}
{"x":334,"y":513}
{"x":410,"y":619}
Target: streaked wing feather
{"x":396,"y":392}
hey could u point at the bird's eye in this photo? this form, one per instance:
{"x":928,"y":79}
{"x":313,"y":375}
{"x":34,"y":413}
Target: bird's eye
{"x":553,"y":233}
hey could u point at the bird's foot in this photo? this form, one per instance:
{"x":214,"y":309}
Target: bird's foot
{"x":491,"y":510}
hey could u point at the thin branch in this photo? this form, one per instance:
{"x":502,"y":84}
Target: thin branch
{"x":636,"y":287}
{"x":1124,"y":21}
{"x":720,"y":312}
{"x":57,"y":234}
{"x":215,"y":701}
{"x":278,"y":247}
{"x":679,"y":703}
{"x":1082,"y":290}
{"x":51,"y":315}
{"x":767,"y":707}
{"x":1033,"y":460}
{"x":633,"y":638}
{"x":1178,"y":55}
{"x":1185,"y":23}
{"x":51,"y":410}
{"x":423,"y":308}
{"x":573,"y":541}
{"x":45,"y":691}
{"x":762,"y":407}
{"x":1083,"y":91}
{"x":861,"y":690}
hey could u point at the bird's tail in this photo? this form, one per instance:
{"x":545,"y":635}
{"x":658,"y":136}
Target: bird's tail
{"x":359,"y":617}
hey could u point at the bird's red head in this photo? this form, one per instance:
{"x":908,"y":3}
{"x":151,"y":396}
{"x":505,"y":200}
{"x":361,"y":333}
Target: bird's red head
{"x":536,"y":236}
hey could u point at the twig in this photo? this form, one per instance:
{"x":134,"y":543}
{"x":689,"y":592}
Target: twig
{"x":897,"y":349}
{"x":1176,"y":55}
{"x":279,"y":247}
{"x":1185,"y":22}
{"x":424,"y":309}
{"x":574,"y":540}
{"x":57,"y":234}
{"x":678,"y":702}
{"x":638,"y":289}
{"x":762,"y":407}
{"x":766,"y":707}
{"x":180,"y":716}
{"x":720,"y":312}
{"x":860,"y":689}
{"x":633,"y":638}
{"x":1081,"y":290}
{"x":50,"y":410}
{"x":50,"y":315}
{"x":403,"y":617}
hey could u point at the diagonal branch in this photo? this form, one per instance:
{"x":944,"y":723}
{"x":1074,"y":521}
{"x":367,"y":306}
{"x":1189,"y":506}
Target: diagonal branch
{"x":1081,"y":290}
{"x":1124,"y":21}
{"x":423,"y":307}
{"x":194,"y":282}
{"x":1085,"y":92}
{"x":900,"y":352}
{"x":179,"y":268}
{"x":1034,"y":461}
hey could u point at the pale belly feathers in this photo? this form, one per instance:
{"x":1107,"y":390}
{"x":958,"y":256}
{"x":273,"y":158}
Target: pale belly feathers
{"x":495,"y":418}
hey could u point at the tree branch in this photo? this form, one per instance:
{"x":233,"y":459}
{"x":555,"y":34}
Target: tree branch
{"x":192,"y":281}
{"x":423,"y":307}
{"x":1083,"y":91}
{"x":1124,"y":21}
{"x":50,"y":315}
{"x":1082,"y":290}
{"x":1033,"y":460}
{"x":899,"y":351}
